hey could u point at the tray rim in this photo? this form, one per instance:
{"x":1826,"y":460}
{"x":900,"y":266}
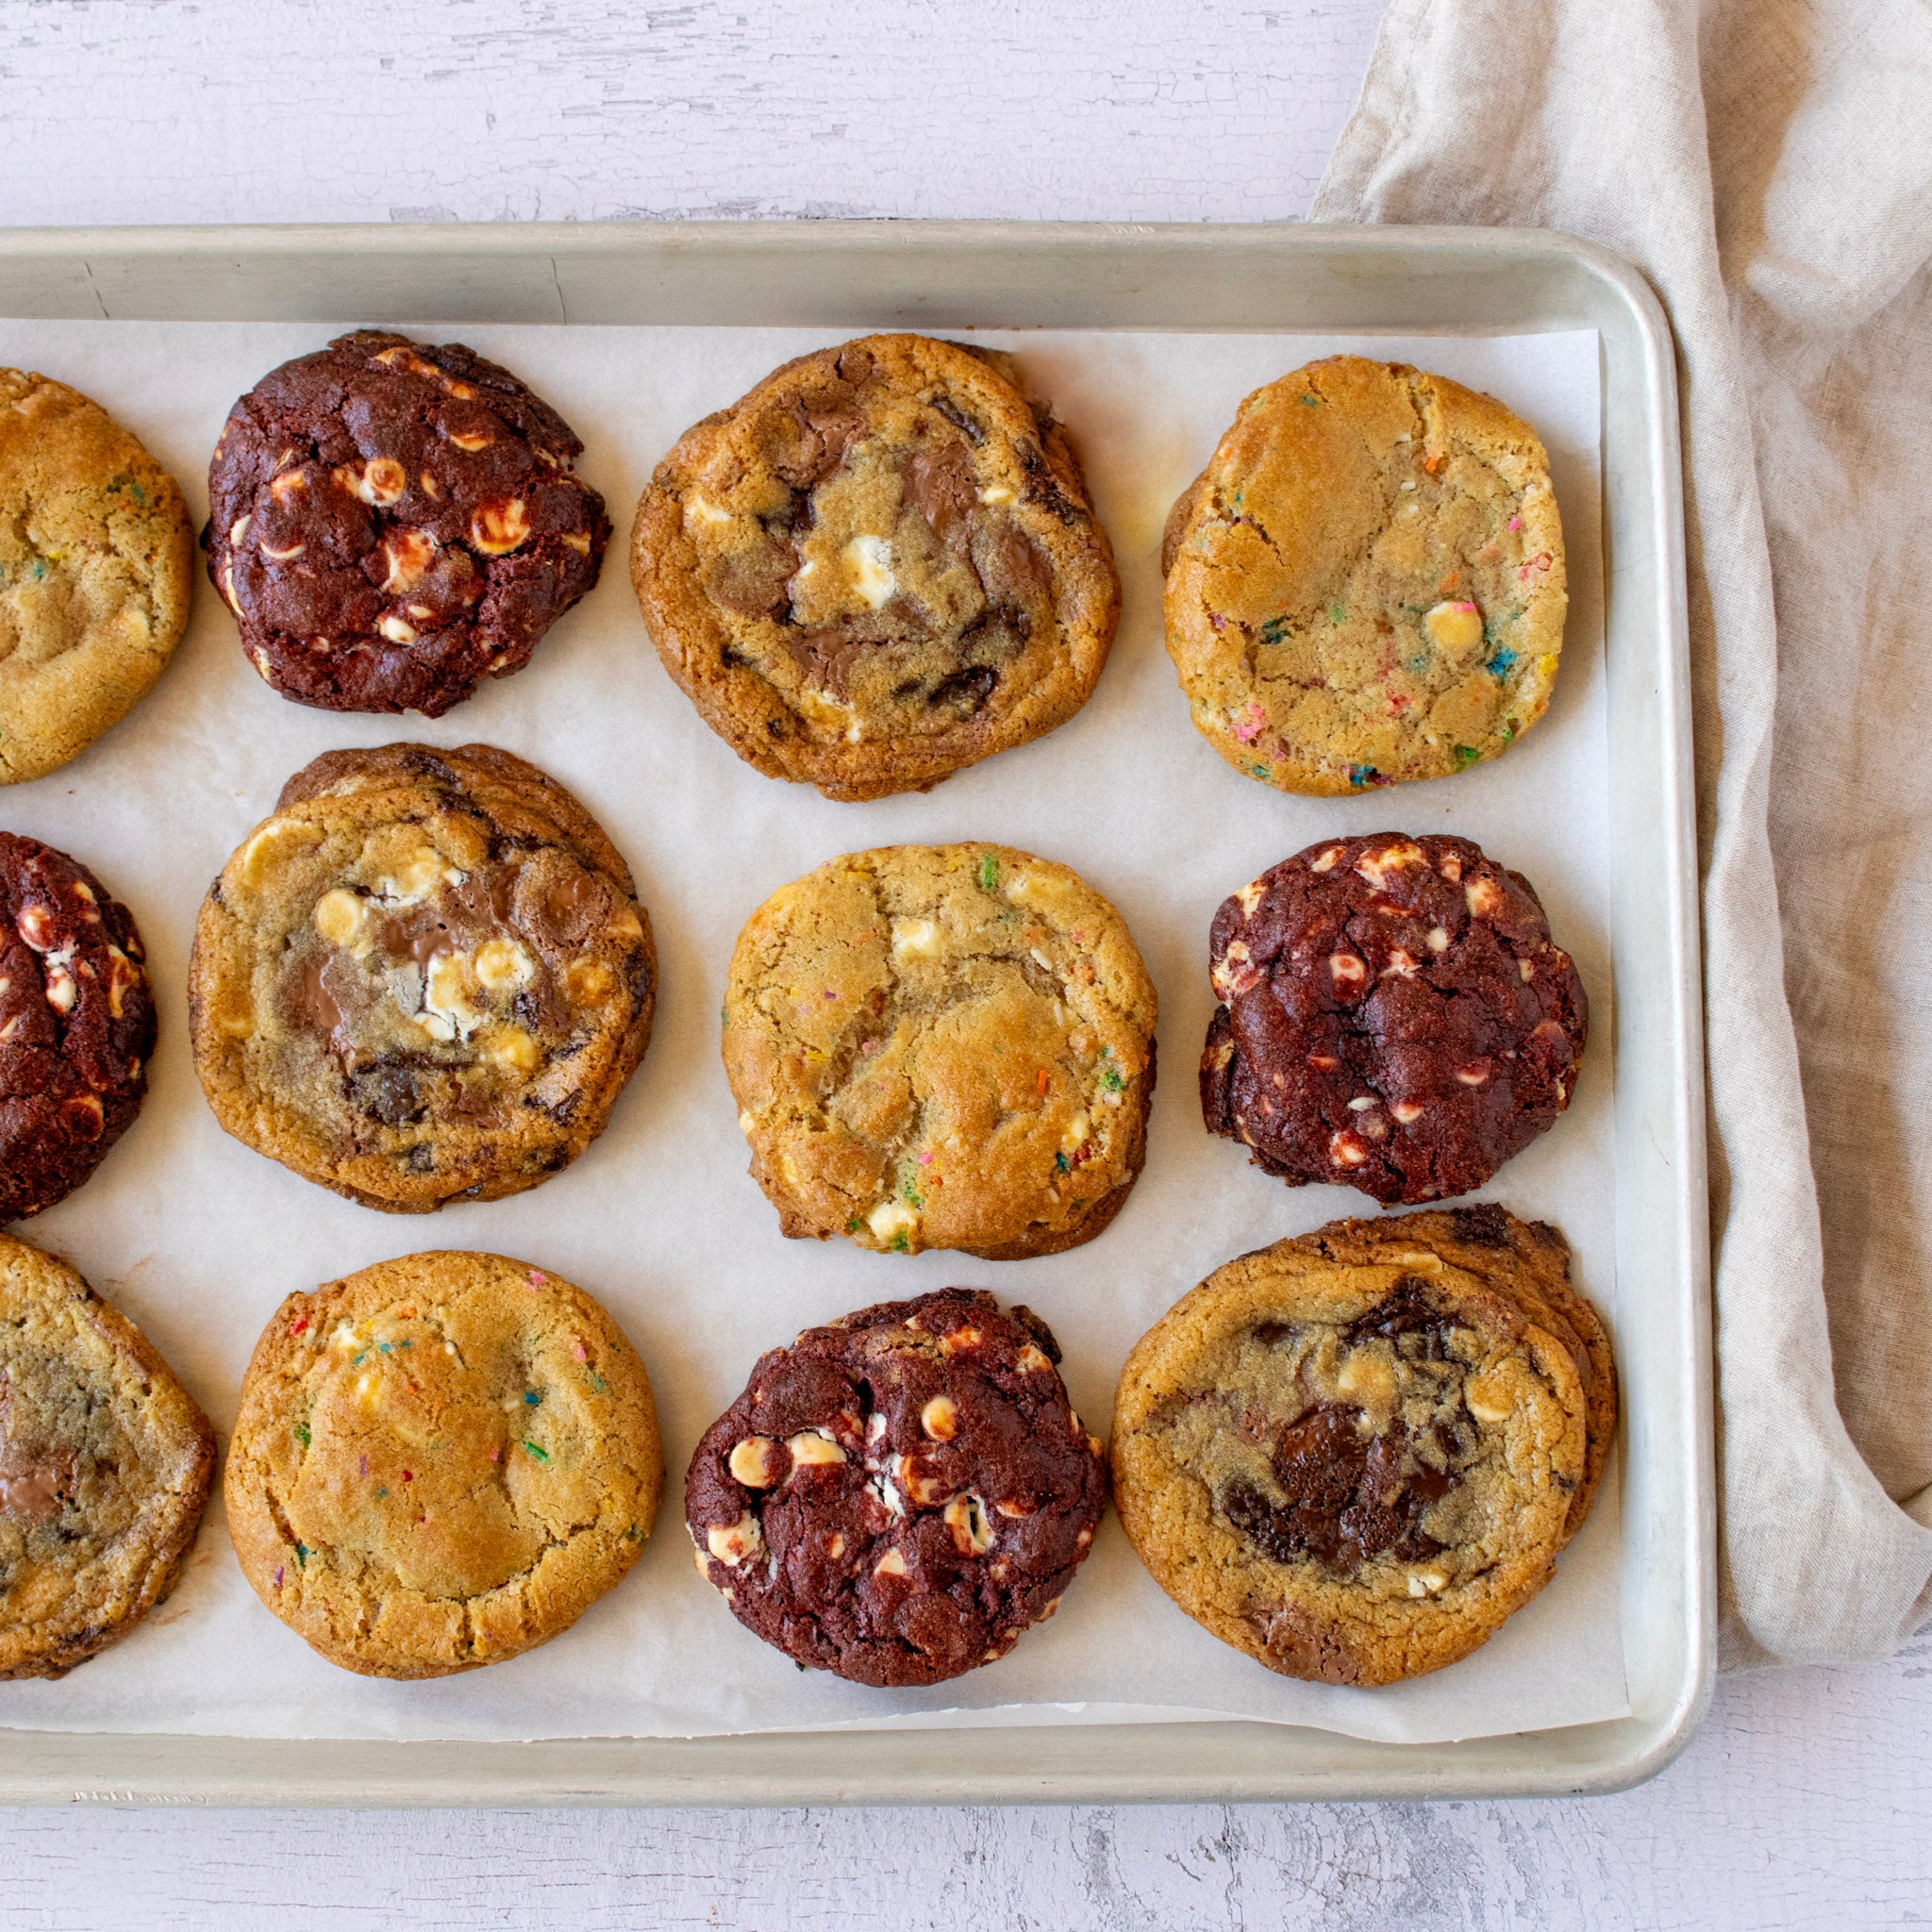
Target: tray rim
{"x":61,"y":272}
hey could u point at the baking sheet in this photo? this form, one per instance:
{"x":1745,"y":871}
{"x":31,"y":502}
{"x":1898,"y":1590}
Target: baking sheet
{"x":198,"y":1238}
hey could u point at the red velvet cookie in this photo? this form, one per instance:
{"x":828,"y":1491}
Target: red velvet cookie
{"x":76,"y":1024}
{"x":1394,"y":1017}
{"x":392,"y":523}
{"x":898,"y":1494}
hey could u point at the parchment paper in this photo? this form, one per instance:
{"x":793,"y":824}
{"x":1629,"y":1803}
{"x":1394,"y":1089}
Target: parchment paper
{"x":198,"y":1238}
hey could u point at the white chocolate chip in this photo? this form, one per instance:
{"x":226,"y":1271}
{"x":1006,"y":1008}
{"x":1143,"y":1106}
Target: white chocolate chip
{"x":1325,"y":860}
{"x":1475,"y":1074}
{"x":1426,"y":1582}
{"x":1361,"y":1103}
{"x":939,"y":1418}
{"x":1345,"y":1149}
{"x":1403,"y":964}
{"x":398,"y":630}
{"x":954,"y":1339}
{"x":1250,"y":896}
{"x":891,"y":1564}
{"x":513,"y":1048}
{"x":701,"y":512}
{"x":915,"y":938}
{"x":339,"y":916}
{"x":1366,"y":1379}
{"x":1379,"y":866}
{"x":923,"y":1489}
{"x":1406,"y":1111}
{"x":868,"y":563}
{"x":1484,"y":898}
{"x":890,"y":1220}
{"x":497,"y":528}
{"x":287,"y":556}
{"x":965,"y":1516}
{"x":813,"y":1446}
{"x":379,"y":482}
{"x":273,"y":845}
{"x":1033,"y":1359}
{"x":1486,"y":1398}
{"x":1454,"y":629}
{"x":995,"y":492}
{"x":1346,"y":969}
{"x":471,"y":441}
{"x":1439,"y":939}
{"x":504,"y":966}
{"x":1526,"y":968}
{"x":239,"y":529}
{"x":407,"y":555}
{"x":742,"y":1540}
{"x":755,"y":1462}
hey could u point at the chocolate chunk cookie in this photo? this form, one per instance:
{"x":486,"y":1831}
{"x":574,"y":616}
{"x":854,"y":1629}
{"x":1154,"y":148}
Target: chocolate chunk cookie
{"x":942,"y":1046}
{"x":441,"y":1462}
{"x":879,"y":567}
{"x":104,"y":1467}
{"x":96,"y":558}
{"x":1352,"y":1455}
{"x":1366,"y":583}
{"x":1394,"y":1017}
{"x":76,"y":1024}
{"x":899,"y":1495}
{"x":392,"y":523}
{"x":426,"y":979}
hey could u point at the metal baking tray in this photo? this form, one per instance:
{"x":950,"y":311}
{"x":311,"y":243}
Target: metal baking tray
{"x":936,"y":275}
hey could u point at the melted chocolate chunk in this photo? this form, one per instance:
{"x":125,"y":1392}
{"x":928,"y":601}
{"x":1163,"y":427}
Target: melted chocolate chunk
{"x":1348,"y":1498}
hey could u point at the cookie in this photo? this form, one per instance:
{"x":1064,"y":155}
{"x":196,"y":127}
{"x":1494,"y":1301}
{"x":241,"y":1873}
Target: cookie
{"x":899,"y":1495}
{"x":1352,"y":1458}
{"x":426,"y":979}
{"x":96,"y":560}
{"x":441,"y":1462}
{"x":942,"y":1046}
{"x":392,"y":523}
{"x":1394,"y":1017}
{"x":1366,"y":584}
{"x":104,"y":1467}
{"x":76,"y":1024}
{"x":880,"y":566}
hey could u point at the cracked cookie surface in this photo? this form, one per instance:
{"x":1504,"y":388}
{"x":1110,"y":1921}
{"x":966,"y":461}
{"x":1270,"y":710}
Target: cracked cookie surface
{"x":96,"y":561}
{"x":1394,"y":1017}
{"x":104,"y":1467}
{"x":1366,"y":584}
{"x":76,"y":1024}
{"x":879,"y":566}
{"x":897,"y":1495}
{"x":1352,"y":1457}
{"x":393,"y":522}
{"x":942,"y":1046}
{"x":427,"y":976}
{"x":441,"y":1462}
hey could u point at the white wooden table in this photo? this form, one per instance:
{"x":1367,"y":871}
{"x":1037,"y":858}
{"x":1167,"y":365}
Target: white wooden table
{"x":1806,"y":1800}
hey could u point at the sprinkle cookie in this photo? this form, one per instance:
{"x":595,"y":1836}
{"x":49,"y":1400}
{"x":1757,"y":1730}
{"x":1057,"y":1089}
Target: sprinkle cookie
{"x":942,"y":1046}
{"x":1366,"y":584}
{"x":441,"y":1462}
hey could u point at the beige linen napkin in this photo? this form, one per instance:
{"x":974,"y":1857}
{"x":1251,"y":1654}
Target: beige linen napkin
{"x":1768,"y":164}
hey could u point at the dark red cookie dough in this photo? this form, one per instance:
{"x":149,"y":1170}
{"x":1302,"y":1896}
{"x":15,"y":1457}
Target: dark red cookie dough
{"x":76,"y":1024}
{"x":1394,"y":1017}
{"x":392,"y":522}
{"x":898,"y":1494}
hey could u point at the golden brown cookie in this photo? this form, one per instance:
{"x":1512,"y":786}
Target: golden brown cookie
{"x":96,"y":558}
{"x":879,"y":567}
{"x":1352,"y":1457}
{"x":426,"y":979}
{"x":104,"y":1467}
{"x":441,"y":1462}
{"x":942,"y":1046}
{"x":1366,"y":584}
